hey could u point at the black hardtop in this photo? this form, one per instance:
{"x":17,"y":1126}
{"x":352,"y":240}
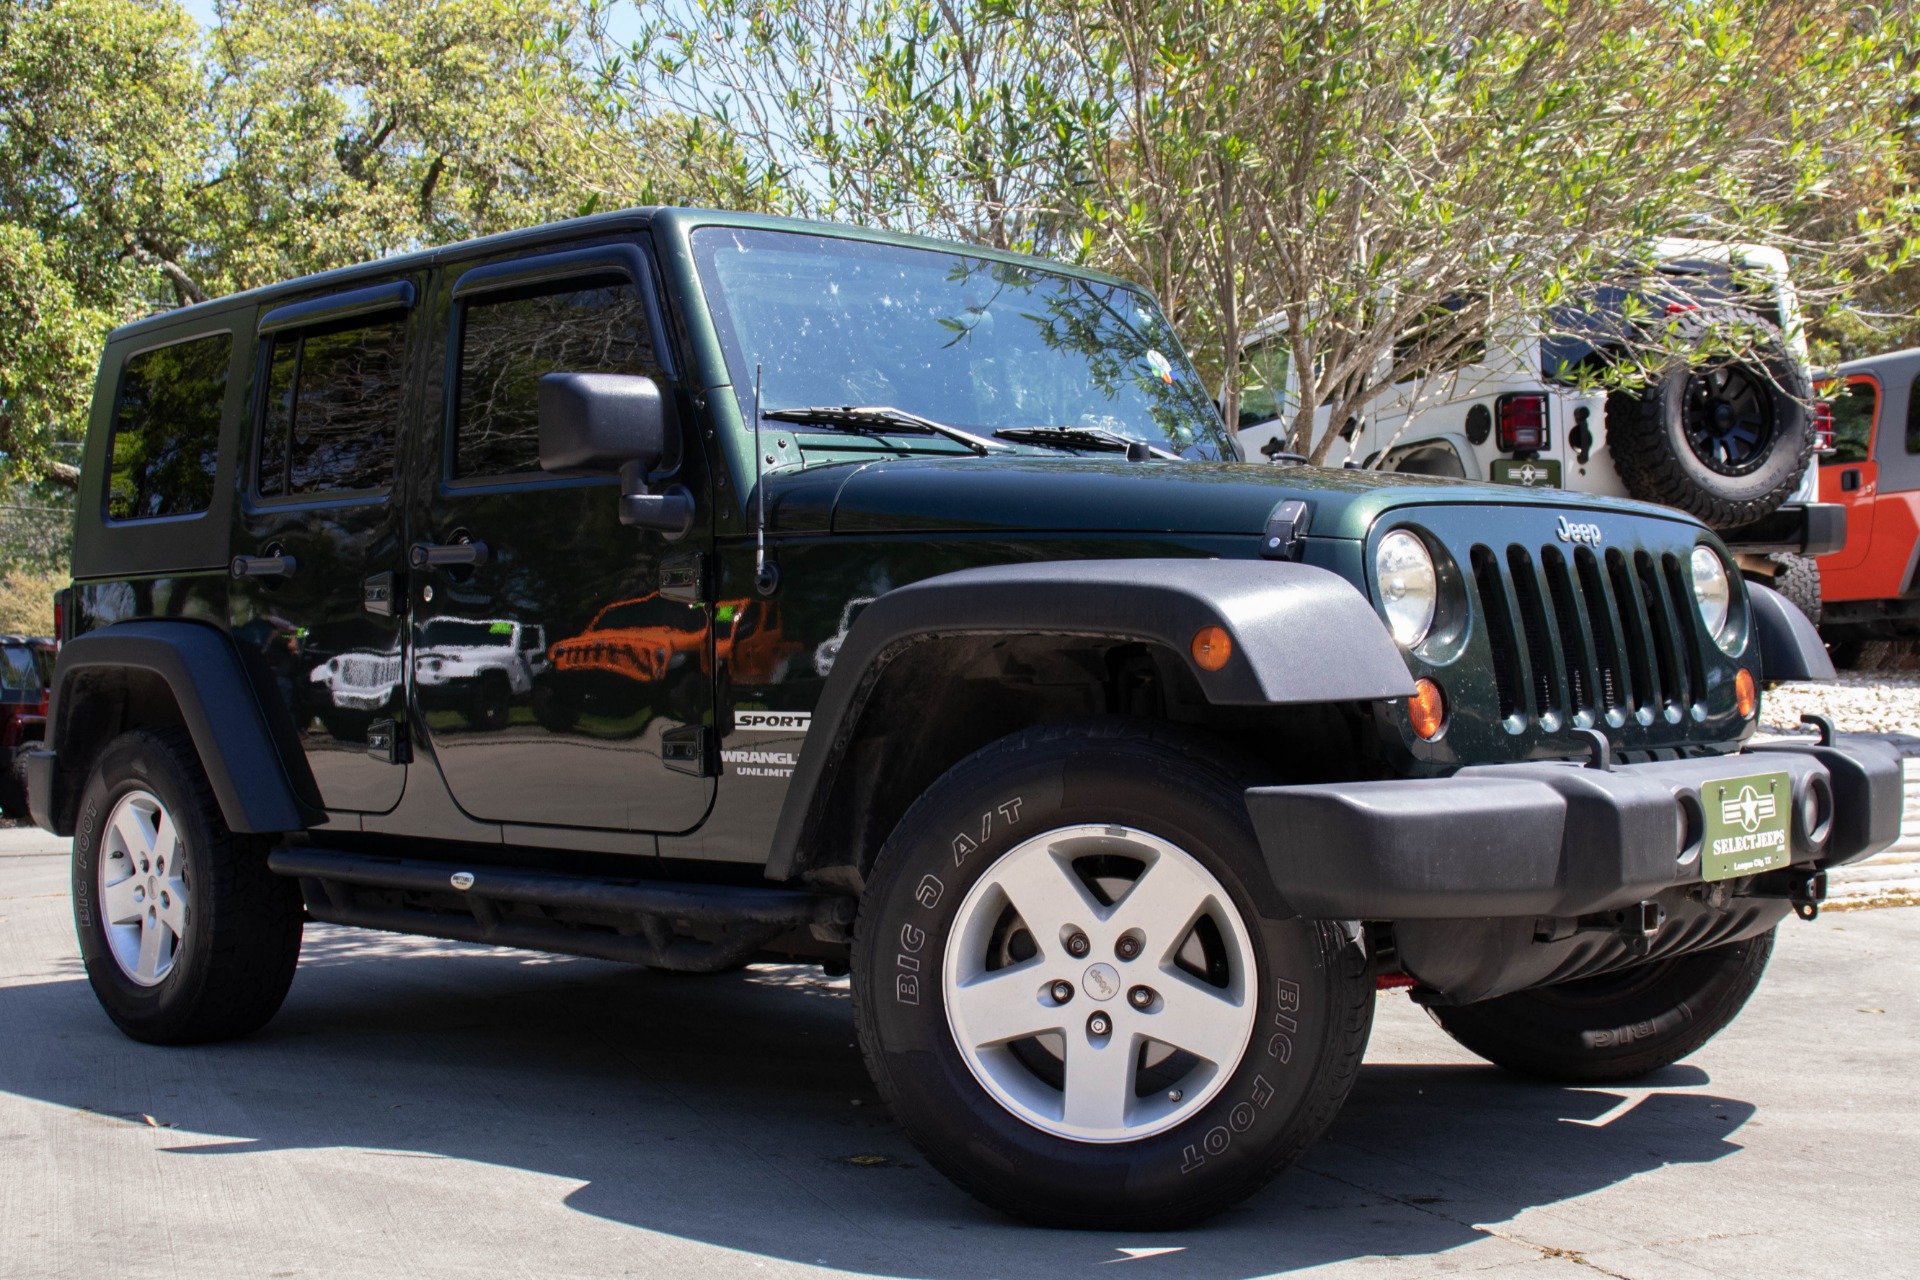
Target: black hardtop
{"x":679,"y":219}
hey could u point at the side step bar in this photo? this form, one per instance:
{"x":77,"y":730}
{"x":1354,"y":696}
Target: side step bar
{"x":636,"y":921}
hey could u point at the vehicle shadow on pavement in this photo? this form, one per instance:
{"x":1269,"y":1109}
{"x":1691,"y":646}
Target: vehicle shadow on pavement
{"x":733,"y":1110}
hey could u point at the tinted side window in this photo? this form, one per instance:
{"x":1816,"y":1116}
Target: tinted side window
{"x":1854,"y":406}
{"x":166,"y":429}
{"x":508,"y":340}
{"x":1913,"y":417}
{"x":332,"y":407}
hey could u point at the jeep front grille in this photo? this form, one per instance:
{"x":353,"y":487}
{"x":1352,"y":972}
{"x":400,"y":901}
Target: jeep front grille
{"x":1597,"y":637}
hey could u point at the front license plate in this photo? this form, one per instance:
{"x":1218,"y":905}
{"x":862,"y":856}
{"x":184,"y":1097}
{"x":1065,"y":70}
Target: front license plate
{"x":1746,"y":825}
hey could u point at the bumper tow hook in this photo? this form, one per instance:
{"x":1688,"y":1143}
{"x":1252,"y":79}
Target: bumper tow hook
{"x":1807,"y":893}
{"x":1642,"y":922}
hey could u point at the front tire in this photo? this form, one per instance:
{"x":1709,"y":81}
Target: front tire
{"x":1011,"y":923}
{"x":1616,"y":1026}
{"x":186,"y":935}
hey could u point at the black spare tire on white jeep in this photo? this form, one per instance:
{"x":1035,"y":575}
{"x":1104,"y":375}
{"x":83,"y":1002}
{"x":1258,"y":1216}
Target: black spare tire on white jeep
{"x":1074,"y":990}
{"x":1723,"y":439}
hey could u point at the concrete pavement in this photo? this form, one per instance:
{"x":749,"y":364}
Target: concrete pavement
{"x":428,"y":1109}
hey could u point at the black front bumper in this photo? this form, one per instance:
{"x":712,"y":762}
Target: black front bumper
{"x":1505,"y":877}
{"x":1550,"y":839}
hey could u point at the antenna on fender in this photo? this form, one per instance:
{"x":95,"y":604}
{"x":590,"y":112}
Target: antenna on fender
{"x":766,"y":574}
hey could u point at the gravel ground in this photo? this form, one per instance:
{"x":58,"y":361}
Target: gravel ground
{"x":1859,"y":702}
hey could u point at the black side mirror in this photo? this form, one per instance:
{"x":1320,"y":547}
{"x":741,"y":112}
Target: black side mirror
{"x":614,"y":422}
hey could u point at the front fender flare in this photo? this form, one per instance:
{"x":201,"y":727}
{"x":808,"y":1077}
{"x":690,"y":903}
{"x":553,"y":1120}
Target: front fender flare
{"x":254,"y":763}
{"x":1300,"y":634}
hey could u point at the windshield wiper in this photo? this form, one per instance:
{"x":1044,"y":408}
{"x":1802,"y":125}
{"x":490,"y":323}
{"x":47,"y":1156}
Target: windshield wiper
{"x":1081,"y":437}
{"x":877,"y":419}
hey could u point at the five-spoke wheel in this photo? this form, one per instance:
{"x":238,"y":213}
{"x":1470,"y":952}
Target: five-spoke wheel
{"x":143,"y":887}
{"x":1098,"y":983}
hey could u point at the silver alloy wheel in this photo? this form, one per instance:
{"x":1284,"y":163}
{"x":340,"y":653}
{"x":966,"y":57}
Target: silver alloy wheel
{"x":143,"y":887}
{"x":1044,"y":972}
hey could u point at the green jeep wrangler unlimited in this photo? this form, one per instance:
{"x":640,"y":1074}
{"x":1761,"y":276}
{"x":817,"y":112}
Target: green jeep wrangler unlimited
{"x":694,"y":589}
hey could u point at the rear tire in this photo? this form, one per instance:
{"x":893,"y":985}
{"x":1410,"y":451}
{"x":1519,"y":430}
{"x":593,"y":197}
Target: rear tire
{"x":186,"y":936}
{"x":13,"y":784}
{"x":1799,"y":581}
{"x":1045,"y":1125}
{"x":1616,"y":1026}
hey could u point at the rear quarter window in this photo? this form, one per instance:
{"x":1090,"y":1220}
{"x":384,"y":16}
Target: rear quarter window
{"x":166,"y":429}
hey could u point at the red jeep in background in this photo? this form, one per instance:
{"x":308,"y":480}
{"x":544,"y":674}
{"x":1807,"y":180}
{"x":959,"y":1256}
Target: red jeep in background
{"x":26,"y":663}
{"x":1867,"y":588}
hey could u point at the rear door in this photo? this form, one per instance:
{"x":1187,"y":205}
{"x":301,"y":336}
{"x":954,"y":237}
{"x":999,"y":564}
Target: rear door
{"x":529,"y":626}
{"x":317,"y":538}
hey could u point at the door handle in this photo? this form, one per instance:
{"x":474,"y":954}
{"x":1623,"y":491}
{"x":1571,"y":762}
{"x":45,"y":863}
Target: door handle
{"x":1849,"y":481}
{"x":447,"y":555}
{"x":280,"y":566}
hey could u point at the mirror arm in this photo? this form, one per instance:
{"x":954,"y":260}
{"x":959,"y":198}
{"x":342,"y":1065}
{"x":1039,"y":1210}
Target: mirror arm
{"x":669,"y":512}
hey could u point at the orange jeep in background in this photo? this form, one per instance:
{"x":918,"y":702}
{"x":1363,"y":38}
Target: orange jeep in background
{"x":634,"y":644}
{"x":1867,"y":588}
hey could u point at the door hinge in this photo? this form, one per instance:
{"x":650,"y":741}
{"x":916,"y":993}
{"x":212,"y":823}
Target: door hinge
{"x":689,"y":750}
{"x":684,"y":577}
{"x":387,"y":740}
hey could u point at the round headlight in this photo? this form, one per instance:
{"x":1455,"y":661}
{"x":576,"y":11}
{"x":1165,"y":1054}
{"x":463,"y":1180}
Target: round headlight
{"x":1409,"y":587}
{"x":1712,"y":591}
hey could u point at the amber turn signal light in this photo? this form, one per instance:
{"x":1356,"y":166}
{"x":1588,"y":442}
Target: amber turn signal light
{"x":1212,"y":646}
{"x":1427,"y":709}
{"x":1745,"y":696}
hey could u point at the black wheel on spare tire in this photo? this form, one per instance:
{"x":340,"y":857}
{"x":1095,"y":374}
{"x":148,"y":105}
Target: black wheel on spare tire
{"x":185,"y":934}
{"x":1799,"y":581}
{"x":1724,"y":440}
{"x":1073,"y":986}
{"x":1615,"y":1026}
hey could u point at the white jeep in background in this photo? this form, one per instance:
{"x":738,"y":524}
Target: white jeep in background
{"x":1731,"y":441}
{"x":479,"y":665}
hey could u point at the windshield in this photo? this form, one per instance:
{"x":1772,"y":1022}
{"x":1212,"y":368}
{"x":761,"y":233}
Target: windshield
{"x":453,"y":633}
{"x":972,"y":343}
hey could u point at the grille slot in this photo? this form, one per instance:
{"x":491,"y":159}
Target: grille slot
{"x":1681,"y":591}
{"x":1533,"y":626}
{"x":1667,"y":642}
{"x":1632,"y":612}
{"x":1605,"y":630}
{"x":1500,"y":634}
{"x":1573,"y":645}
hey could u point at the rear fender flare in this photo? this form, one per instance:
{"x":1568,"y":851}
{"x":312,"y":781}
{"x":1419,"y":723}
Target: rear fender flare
{"x":1299,"y":634}
{"x":251,"y":754}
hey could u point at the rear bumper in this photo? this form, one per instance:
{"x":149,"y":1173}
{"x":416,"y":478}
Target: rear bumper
{"x":1803,"y":528}
{"x":1550,"y":840}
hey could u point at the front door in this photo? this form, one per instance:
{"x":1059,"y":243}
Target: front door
{"x":316,"y":540}
{"x":1850,"y":477}
{"x":561,"y":681}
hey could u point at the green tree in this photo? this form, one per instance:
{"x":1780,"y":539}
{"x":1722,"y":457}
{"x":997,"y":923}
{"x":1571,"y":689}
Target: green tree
{"x":146,"y":164}
{"x":1385,"y":178}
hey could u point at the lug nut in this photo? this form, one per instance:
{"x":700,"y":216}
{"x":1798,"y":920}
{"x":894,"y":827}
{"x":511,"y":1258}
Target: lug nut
{"x":1078,"y":945}
{"x":1174,"y":1095}
{"x":1127,"y":948}
{"x":1062,"y":992}
{"x":1098,"y":1025}
{"x":1140,"y":997}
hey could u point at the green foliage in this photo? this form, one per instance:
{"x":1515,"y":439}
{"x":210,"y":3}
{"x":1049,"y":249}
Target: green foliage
{"x":145,"y":163}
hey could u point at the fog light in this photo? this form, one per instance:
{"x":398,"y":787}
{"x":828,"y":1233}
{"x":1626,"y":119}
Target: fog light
{"x":1212,"y":646}
{"x":1427,"y":709}
{"x":1745,"y":696}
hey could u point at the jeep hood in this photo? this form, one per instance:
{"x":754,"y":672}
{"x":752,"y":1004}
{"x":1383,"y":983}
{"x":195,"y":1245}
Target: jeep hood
{"x":1079,"y":495}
